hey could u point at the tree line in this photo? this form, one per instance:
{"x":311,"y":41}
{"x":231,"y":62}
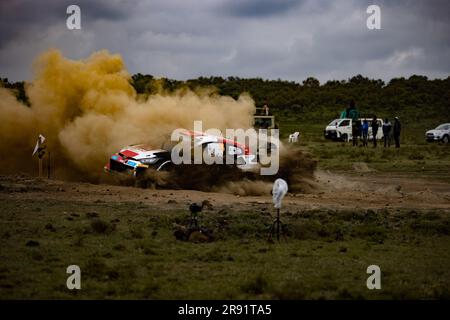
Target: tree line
{"x":415,"y":98}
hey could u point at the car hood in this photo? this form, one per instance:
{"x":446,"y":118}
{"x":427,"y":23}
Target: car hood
{"x":138,"y":152}
{"x":435,"y":132}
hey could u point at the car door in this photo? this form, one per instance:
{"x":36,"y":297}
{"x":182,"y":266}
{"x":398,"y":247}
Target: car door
{"x":345,"y":127}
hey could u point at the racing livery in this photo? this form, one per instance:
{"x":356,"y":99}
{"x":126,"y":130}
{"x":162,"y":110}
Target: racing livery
{"x":135,"y":159}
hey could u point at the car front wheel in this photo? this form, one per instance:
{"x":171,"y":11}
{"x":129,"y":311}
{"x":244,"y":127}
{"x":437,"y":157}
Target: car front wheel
{"x":345,"y":137}
{"x":445,"y":139}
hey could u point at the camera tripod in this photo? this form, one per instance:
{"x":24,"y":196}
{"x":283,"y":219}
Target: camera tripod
{"x":193,"y":223}
{"x":276,"y":227}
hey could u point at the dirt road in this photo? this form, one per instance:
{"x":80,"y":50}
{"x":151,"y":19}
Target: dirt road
{"x":331,"y":191}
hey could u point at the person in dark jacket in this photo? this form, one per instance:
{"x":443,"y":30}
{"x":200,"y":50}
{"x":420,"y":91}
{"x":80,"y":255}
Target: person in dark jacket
{"x":356,"y":126}
{"x":397,"y":129}
{"x":387,"y":126}
{"x":374,"y":130}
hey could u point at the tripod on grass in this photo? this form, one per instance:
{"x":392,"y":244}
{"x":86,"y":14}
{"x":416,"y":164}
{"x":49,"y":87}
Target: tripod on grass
{"x":277,"y":228}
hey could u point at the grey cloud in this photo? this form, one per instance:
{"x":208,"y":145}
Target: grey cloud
{"x":19,"y":17}
{"x":257,"y":8}
{"x":271,"y":39}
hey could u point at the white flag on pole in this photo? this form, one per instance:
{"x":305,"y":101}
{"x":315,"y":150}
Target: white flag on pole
{"x":39,"y":142}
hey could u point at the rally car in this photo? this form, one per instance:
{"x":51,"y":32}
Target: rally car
{"x":136,"y":159}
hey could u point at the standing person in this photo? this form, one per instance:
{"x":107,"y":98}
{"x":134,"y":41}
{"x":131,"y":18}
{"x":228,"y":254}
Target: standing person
{"x":365,"y":132}
{"x":387,"y":126}
{"x":359,"y":128}
{"x":355,"y":131}
{"x":397,"y":129}
{"x":349,"y":112}
{"x":374,"y":130}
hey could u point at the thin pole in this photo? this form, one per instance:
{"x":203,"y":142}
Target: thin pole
{"x":48,"y":166}
{"x":40,"y":167}
{"x":278,"y":224}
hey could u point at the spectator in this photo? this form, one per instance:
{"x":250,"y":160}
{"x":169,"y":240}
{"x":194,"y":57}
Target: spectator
{"x":397,"y":129}
{"x":359,"y":128}
{"x":374,"y":130}
{"x":351,"y":109}
{"x":265,"y":110}
{"x":365,"y":132}
{"x":387,"y":126}
{"x":356,"y":124}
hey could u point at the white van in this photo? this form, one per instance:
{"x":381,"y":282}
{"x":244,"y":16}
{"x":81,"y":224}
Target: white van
{"x":341,"y":129}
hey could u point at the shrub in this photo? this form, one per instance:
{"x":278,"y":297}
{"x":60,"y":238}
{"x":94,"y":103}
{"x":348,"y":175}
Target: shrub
{"x":100,"y":226}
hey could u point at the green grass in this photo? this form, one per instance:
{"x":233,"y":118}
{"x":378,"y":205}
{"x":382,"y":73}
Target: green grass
{"x":127,"y":250}
{"x":415,"y":156}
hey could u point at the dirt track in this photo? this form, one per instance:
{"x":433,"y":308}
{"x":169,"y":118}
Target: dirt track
{"x":332,"y":191}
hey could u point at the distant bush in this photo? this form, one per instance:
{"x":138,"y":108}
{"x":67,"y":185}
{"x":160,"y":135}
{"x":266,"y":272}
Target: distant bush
{"x":100,"y":226}
{"x":371,"y":232}
{"x":439,"y":227}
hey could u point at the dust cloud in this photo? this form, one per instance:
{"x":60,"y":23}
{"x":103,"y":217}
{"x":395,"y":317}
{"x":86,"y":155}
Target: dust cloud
{"x":296,"y":167}
{"x":87,"y":110}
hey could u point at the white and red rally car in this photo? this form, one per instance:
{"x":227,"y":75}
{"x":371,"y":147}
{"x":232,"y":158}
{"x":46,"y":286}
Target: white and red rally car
{"x":135,"y":159}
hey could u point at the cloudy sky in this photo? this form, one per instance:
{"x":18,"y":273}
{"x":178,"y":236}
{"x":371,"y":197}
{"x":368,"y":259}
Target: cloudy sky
{"x":287,"y":39}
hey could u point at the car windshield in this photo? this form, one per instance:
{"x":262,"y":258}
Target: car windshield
{"x":344,"y":123}
{"x":333,"y":123}
{"x":442,"y":127}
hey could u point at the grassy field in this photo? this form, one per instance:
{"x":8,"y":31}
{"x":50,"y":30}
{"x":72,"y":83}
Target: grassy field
{"x":415,"y":155}
{"x":127,"y":250}
{"x":414,"y":158}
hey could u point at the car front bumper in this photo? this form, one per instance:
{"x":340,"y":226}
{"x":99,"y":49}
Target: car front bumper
{"x":330,"y":134}
{"x":116,"y":165}
{"x":431,"y":138}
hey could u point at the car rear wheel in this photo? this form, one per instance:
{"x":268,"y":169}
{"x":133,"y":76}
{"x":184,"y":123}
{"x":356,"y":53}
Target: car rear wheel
{"x":445,"y":139}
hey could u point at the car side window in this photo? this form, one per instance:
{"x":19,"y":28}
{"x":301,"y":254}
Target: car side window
{"x":344,"y":123}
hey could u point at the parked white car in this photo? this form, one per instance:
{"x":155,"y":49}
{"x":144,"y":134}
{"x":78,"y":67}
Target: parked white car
{"x":441,"y":133}
{"x":341,"y":129}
